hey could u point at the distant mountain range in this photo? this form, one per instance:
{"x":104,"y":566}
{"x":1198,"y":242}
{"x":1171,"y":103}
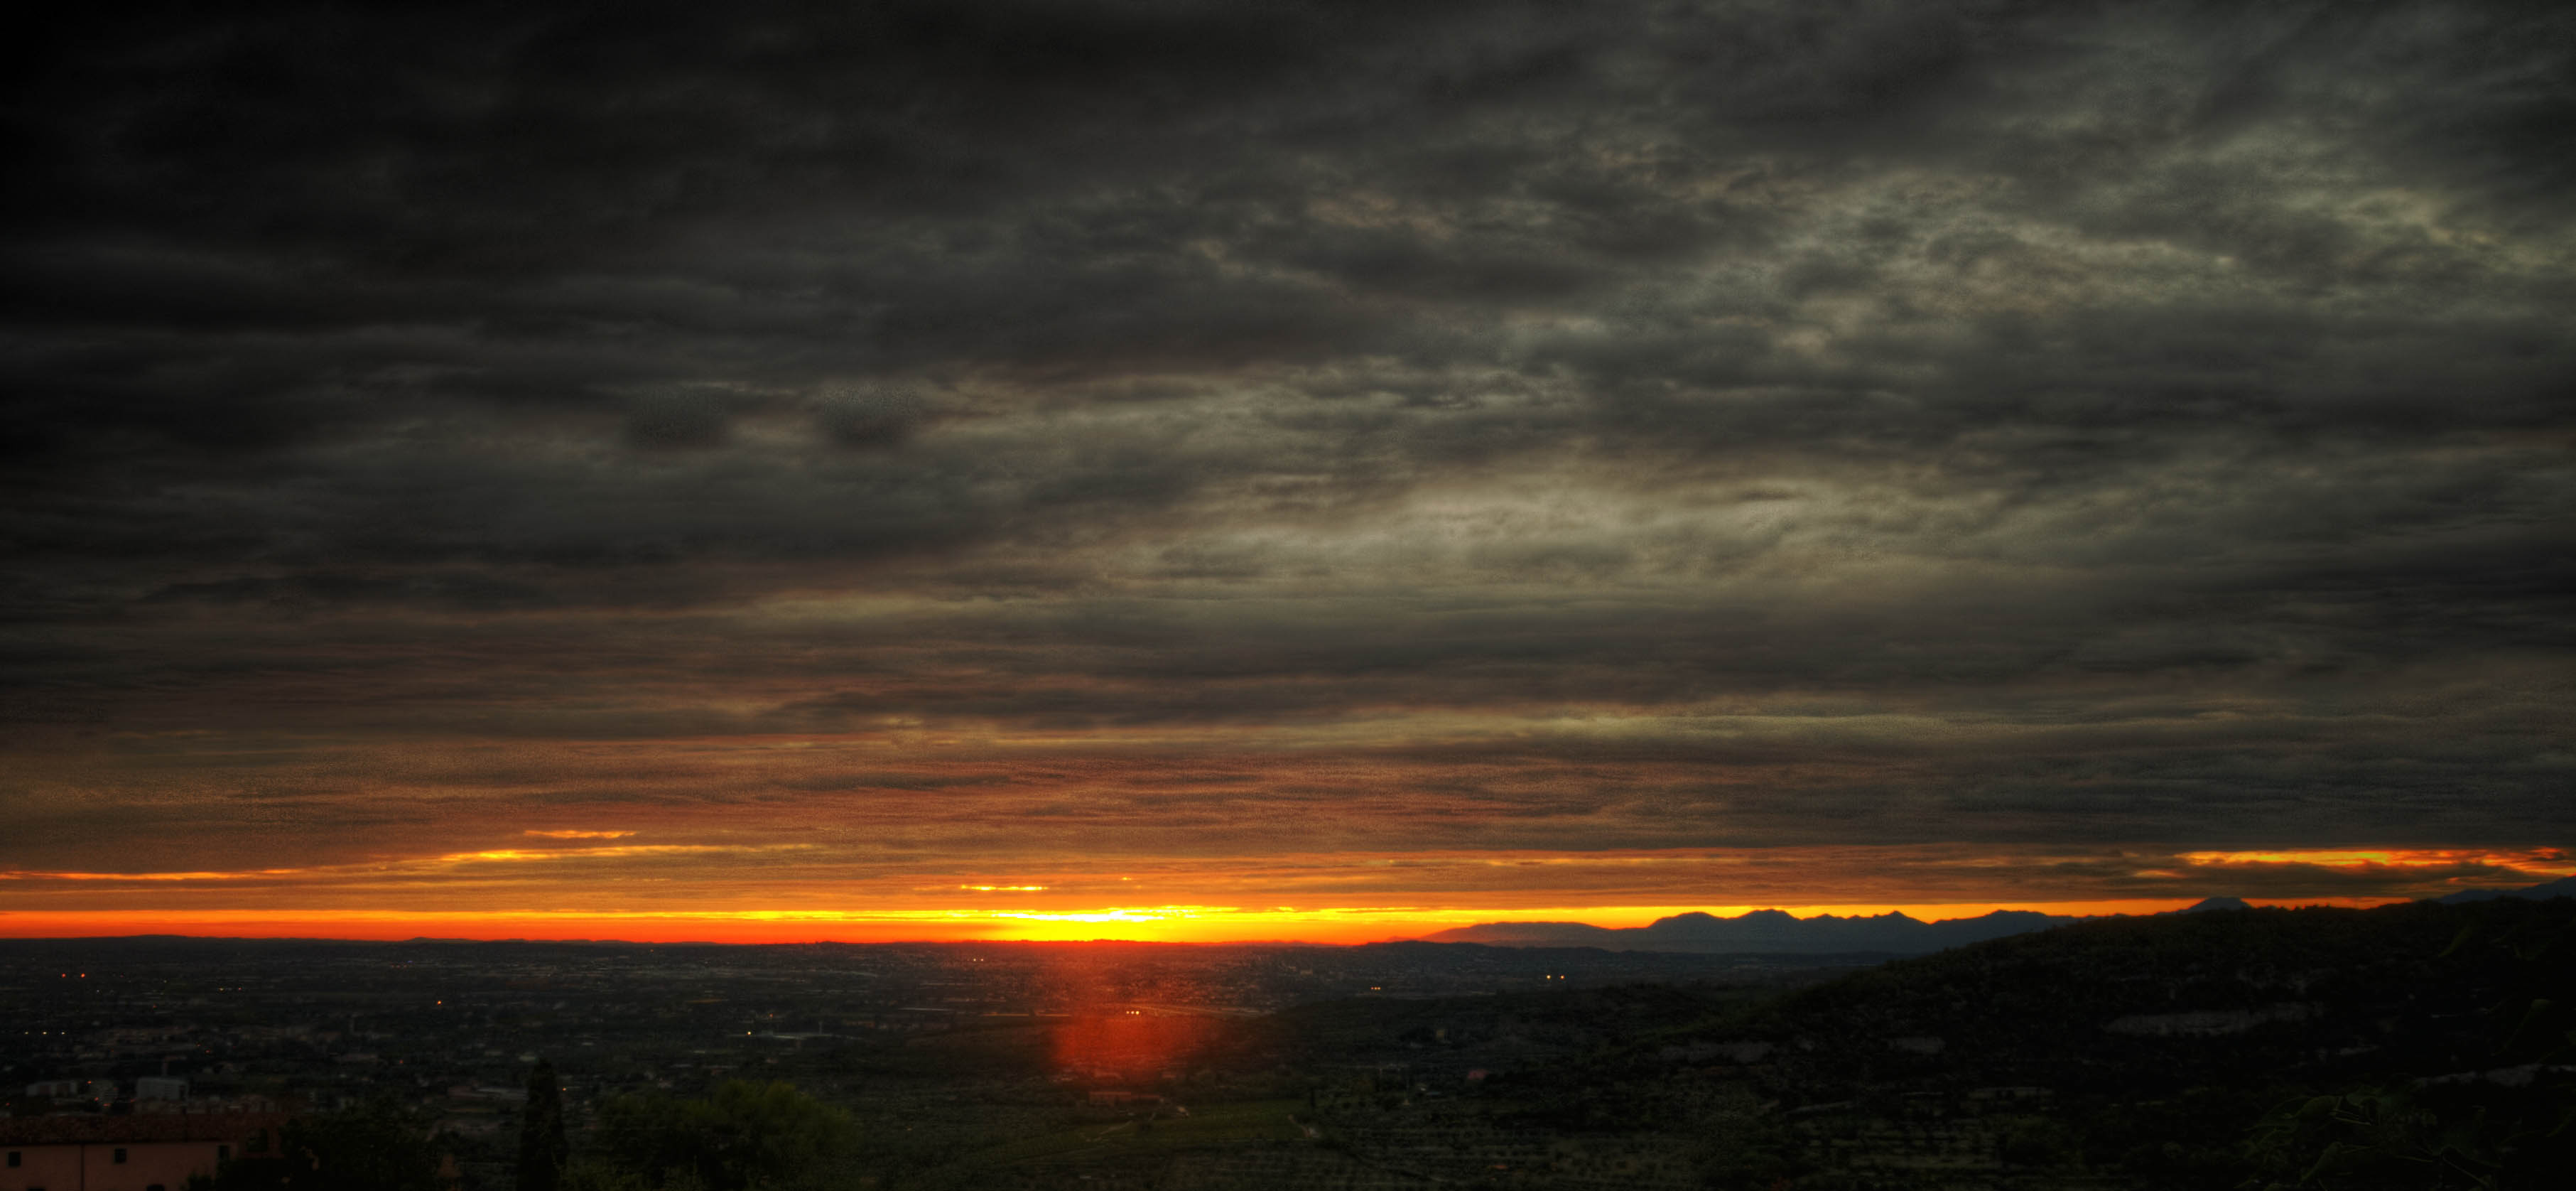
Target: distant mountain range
{"x":1766,"y":931}
{"x":2562,"y":887}
{"x":1778,"y":932}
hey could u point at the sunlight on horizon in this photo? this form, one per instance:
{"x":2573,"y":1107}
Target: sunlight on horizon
{"x":1148,"y":924}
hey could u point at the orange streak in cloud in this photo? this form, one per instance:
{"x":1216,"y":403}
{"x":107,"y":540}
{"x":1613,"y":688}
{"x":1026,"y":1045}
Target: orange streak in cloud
{"x":240,"y":875}
{"x":2531,"y":860}
{"x":451,"y":859}
{"x":609,"y":850}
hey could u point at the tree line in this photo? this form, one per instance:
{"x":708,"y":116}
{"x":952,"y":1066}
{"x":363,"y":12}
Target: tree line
{"x":744,"y":1136}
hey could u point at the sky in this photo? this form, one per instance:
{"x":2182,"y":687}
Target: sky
{"x":1066,"y":469}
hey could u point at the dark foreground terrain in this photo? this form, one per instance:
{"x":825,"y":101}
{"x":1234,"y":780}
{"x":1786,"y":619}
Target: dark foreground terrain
{"x":2413,"y":1046}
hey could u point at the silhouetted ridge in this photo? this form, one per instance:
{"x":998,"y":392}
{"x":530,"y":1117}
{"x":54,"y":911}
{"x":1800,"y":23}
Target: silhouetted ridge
{"x":2562,"y":887}
{"x":2184,"y":1051}
{"x":1766,"y":932}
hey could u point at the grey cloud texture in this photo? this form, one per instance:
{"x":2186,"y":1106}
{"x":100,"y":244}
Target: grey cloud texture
{"x":1747,"y":423}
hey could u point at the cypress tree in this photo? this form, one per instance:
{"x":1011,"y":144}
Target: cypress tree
{"x":542,"y":1148}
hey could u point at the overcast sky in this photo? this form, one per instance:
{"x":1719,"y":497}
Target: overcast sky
{"x":1396,"y":457}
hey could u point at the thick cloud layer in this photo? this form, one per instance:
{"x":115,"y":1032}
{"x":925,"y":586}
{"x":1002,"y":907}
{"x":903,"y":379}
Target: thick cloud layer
{"x":993,"y":437}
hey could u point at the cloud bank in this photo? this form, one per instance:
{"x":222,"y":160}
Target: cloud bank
{"x":980,"y":438}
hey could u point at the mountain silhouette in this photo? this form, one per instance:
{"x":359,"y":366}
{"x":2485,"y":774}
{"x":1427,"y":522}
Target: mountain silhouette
{"x":2562,"y":887}
{"x":1778,"y":932}
{"x":1762,"y":931}
{"x":2207,"y":904}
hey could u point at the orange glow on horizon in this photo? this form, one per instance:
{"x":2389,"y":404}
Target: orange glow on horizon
{"x":1153,"y":924}
{"x":609,"y":885}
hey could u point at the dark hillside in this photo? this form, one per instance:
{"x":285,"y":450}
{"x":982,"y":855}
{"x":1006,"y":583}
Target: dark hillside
{"x":2415,"y":990}
{"x":2428,"y":1045}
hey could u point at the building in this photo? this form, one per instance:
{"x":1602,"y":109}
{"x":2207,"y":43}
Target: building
{"x":161,"y":1087}
{"x":156,"y":1152}
{"x":73,"y":1089}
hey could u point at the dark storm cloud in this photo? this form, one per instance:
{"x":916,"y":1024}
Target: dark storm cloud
{"x":1756,"y":421}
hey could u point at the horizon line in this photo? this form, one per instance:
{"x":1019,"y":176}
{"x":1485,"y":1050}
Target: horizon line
{"x":1320,"y":928}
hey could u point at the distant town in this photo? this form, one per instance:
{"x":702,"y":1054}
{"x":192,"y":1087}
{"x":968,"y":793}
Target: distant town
{"x":2209,"y":1050}
{"x":449,"y":1030}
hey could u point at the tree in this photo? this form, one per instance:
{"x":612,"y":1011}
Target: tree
{"x":746,"y":1135}
{"x":542,"y":1147}
{"x":377,"y":1147}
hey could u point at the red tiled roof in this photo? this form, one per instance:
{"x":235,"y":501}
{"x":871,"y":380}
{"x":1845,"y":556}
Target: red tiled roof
{"x":142,"y":1127}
